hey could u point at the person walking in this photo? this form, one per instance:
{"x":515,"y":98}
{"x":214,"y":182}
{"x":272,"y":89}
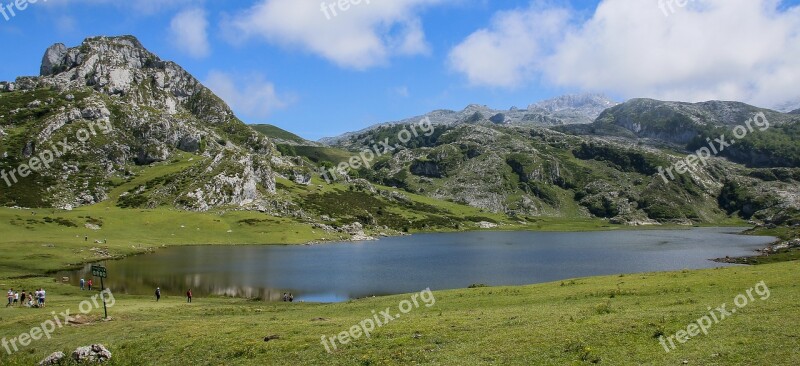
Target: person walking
{"x":16,"y":298}
{"x":189,"y":296}
{"x":22,"y":298}
{"x":291,"y":297}
{"x":158,"y":293}
{"x":83,"y":284}
{"x":89,"y":284}
{"x":10,"y":296}
{"x":41,"y":297}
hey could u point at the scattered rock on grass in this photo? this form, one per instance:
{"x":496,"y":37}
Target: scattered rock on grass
{"x":56,"y":358}
{"x":95,"y":353}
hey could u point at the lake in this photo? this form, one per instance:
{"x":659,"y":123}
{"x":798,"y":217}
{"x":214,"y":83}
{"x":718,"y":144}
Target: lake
{"x":341,"y":271}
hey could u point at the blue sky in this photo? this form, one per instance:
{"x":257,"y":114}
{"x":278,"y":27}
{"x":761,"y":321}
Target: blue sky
{"x":287,"y":63}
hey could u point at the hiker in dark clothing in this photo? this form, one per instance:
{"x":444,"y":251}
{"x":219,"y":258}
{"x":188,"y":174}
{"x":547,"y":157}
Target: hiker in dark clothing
{"x":291,"y":297}
{"x":158,"y":294}
{"x":189,"y":296}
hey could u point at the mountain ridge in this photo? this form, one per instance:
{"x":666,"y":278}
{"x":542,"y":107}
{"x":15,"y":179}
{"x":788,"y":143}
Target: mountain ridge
{"x":566,"y":109}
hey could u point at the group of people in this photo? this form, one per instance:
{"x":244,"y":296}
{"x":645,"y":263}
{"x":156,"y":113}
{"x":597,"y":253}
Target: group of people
{"x":188,"y":295}
{"x":288,"y":297}
{"x":34,"y":299}
{"x":85,"y":284}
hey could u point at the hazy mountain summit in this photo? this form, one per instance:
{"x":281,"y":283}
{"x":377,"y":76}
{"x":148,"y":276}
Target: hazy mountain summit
{"x":564,"y":110}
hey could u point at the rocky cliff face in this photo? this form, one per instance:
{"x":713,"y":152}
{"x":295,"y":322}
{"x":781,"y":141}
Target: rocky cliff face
{"x":154,"y":111}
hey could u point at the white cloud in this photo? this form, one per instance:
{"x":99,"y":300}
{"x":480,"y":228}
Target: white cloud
{"x":250,"y":95}
{"x":363,"y":36}
{"x":188,"y":32}
{"x":712,"y":49}
{"x":508,"y":53}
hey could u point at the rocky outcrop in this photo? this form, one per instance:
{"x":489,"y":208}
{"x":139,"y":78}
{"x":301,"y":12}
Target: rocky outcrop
{"x":356,"y":231}
{"x":52,"y":62}
{"x":138,"y":110}
{"x":55,"y":358}
{"x":95,"y":353}
{"x":426,"y":168}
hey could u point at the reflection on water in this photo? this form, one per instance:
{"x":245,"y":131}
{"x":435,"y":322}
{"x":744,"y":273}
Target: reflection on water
{"x":337,"y":272}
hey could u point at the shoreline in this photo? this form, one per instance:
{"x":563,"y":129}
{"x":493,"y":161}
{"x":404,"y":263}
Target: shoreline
{"x":149,"y":250}
{"x":775,"y":248}
{"x":740,"y":230}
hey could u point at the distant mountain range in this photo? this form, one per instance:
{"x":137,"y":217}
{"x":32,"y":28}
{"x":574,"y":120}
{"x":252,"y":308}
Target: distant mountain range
{"x":564,"y":110}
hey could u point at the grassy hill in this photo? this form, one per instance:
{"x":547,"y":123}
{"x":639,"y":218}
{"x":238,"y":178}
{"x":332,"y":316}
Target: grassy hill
{"x":278,"y":133}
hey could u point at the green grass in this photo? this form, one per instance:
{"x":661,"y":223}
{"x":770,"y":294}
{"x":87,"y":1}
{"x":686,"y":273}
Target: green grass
{"x":611,"y":320}
{"x":317,"y":154}
{"x":33,"y":245}
{"x":277,"y":132}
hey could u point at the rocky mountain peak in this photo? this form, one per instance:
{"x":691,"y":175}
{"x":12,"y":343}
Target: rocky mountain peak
{"x":156,"y":112}
{"x":572,"y":102}
{"x":123,"y":51}
{"x":121,"y":66}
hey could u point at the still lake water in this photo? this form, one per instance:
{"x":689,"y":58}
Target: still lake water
{"x":340,"y":271}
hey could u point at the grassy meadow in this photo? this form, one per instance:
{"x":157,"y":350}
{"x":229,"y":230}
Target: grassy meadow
{"x":611,"y":320}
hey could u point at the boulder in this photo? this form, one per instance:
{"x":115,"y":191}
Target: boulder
{"x":302,"y":178}
{"x":56,"y":358}
{"x":95,"y":353}
{"x":486,"y":225}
